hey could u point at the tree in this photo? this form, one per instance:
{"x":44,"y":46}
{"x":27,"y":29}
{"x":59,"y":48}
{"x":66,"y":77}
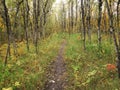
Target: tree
{"x":35,"y":23}
{"x":110,"y":13}
{"x":76,"y":12}
{"x":83,"y":24}
{"x":118,"y":20}
{"x":89,"y":19}
{"x":64,"y":17}
{"x":99,"y":22}
{"x":69,"y":14}
{"x":26,"y":23}
{"x":6,"y":19}
{"x":72,"y":16}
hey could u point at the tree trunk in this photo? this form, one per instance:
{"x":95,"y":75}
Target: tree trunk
{"x":114,"y":36}
{"x":99,"y":23}
{"x":8,"y":26}
{"x":72,"y":22}
{"x":83,"y":24}
{"x":118,"y":20}
{"x":35,"y":24}
{"x":69,"y":19}
{"x":118,"y":8}
{"x":88,"y":20}
{"x":64,"y":17}
{"x":25,"y":18}
{"x":76,"y":13}
{"x":15,"y":26}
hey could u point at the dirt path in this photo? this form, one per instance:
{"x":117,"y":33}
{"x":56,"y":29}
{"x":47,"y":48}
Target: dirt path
{"x":57,"y":72}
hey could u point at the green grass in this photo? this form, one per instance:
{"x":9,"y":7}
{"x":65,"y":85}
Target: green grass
{"x":87,"y":68}
{"x":27,"y":71}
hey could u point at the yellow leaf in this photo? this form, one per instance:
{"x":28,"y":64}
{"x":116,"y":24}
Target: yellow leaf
{"x":10,"y":88}
{"x":17,"y":84}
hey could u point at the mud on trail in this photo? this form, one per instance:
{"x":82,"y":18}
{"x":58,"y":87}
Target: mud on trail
{"x":57,"y":72}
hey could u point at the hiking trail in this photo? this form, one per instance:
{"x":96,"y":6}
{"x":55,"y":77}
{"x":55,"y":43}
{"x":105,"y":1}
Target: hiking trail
{"x":57,"y":71}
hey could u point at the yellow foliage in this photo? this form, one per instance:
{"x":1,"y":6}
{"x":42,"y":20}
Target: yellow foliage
{"x":17,"y":84}
{"x":21,"y":51}
{"x":21,"y":48}
{"x":3,"y":49}
{"x":9,"y":66}
{"x":1,"y":24}
{"x":13,"y":57}
{"x":18,"y":63}
{"x":4,"y":46}
{"x":10,"y":88}
{"x":21,"y":43}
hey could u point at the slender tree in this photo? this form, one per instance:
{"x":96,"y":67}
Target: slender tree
{"x":89,"y":19}
{"x":18,"y":4}
{"x":35,"y":24}
{"x":118,"y":20}
{"x":99,"y":22}
{"x":110,"y":14}
{"x":83,"y":24}
{"x":25,"y":18}
{"x":69,"y":14}
{"x":72,"y":16}
{"x":8,"y":27}
{"x":76,"y":12}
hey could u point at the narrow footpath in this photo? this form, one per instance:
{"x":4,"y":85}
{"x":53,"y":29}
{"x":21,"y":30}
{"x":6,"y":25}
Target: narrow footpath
{"x":57,"y":72}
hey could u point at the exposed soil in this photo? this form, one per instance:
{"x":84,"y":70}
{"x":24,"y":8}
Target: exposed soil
{"x":57,"y":72}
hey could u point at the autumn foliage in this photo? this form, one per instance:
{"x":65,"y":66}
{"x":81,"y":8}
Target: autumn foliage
{"x":111,"y":67}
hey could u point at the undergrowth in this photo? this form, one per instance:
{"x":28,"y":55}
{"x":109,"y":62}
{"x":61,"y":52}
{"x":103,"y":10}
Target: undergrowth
{"x":27,"y":71}
{"x":87,"y":69}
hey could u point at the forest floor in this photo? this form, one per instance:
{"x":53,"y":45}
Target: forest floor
{"x":57,"y":71}
{"x":61,"y":64}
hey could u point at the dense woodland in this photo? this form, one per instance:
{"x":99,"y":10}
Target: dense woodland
{"x":31,"y":32}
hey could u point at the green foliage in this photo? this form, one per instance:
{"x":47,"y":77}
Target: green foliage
{"x":28,"y":70}
{"x":89,"y":67}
